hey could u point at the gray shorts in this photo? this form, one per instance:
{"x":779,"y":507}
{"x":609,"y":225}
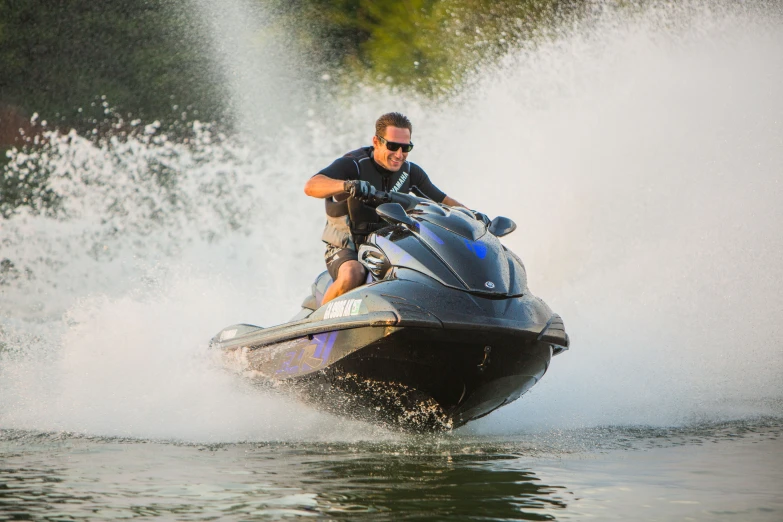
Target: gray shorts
{"x":335,"y":257}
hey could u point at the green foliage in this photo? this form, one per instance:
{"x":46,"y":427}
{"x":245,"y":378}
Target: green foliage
{"x":57,"y":57}
{"x":411,"y":42}
{"x":430,"y":46}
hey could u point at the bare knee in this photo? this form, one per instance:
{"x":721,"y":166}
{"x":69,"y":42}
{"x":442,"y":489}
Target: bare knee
{"x":350,"y":275}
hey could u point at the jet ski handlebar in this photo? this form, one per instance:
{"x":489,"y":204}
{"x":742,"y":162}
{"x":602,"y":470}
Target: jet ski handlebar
{"x":500,"y":226}
{"x":373,"y":197}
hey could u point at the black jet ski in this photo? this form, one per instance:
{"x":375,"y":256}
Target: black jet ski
{"x":445,"y":331}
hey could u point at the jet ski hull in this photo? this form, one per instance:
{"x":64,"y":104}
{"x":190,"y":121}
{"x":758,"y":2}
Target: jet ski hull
{"x":467,"y":374}
{"x":465,"y":365}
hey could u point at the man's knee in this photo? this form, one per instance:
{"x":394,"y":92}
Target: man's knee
{"x":351,"y":274}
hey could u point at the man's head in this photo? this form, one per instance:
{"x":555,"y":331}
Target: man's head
{"x":392,"y":130}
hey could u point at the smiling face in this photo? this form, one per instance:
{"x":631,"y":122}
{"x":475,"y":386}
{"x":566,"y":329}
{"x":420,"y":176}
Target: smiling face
{"x":384,"y":157}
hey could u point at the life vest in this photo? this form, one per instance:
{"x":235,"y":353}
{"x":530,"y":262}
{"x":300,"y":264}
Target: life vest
{"x":348,"y":220}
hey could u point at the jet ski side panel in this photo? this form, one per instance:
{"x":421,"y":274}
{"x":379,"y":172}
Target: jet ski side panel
{"x":363,"y":316}
{"x":301,"y":356}
{"x":467,"y":376}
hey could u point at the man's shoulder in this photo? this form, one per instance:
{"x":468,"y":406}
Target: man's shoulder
{"x":359,"y":154}
{"x":345,"y":161}
{"x":344,"y":167}
{"x":415,"y":169}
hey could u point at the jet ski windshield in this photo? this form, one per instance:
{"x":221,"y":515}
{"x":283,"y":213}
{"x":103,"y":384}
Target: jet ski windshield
{"x":458,"y":220}
{"x":465,"y":224}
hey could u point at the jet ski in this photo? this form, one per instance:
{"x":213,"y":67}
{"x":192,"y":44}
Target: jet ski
{"x":444,"y":332}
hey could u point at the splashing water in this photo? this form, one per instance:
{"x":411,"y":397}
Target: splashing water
{"x":640,"y":153}
{"x":648,"y":168}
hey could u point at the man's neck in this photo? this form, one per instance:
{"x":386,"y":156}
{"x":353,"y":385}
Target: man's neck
{"x":383,"y":171}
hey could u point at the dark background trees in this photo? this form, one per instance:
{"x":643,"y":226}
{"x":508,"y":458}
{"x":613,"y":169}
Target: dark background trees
{"x":141,"y":57}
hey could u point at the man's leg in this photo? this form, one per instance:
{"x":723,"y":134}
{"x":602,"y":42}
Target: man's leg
{"x":350,"y":275}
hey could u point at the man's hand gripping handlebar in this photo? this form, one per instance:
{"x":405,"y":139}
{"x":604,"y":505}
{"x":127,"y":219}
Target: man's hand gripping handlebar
{"x":359,"y":189}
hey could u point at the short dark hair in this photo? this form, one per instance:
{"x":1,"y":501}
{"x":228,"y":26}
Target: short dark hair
{"x":392,"y":119}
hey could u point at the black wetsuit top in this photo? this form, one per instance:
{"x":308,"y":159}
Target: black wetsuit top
{"x":350,"y":221}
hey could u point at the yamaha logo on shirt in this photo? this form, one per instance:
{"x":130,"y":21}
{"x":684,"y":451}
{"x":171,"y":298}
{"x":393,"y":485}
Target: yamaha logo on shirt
{"x":400,"y":182}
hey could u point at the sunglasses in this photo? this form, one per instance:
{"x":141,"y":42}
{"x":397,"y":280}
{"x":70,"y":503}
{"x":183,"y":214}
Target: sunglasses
{"x":394,"y":146}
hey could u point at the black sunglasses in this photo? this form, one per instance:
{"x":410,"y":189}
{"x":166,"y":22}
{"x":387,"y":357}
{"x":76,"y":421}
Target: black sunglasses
{"x":394,"y":146}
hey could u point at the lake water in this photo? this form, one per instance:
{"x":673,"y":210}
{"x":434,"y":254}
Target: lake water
{"x":730,"y":471}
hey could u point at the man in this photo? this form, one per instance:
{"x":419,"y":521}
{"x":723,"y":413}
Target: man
{"x":383,"y":166}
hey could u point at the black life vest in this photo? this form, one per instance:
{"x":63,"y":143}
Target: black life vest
{"x":361,"y":218}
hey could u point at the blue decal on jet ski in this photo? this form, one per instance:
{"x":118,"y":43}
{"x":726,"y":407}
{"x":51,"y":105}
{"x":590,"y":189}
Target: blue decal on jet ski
{"x":313,"y":356}
{"x":479,"y":249}
{"x":326,"y":348}
{"x":425,"y":230}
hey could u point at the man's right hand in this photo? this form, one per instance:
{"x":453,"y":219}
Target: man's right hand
{"x":358,"y":188}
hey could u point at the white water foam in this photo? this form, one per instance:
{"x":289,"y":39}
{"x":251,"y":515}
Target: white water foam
{"x":138,"y":366}
{"x":640,"y":154}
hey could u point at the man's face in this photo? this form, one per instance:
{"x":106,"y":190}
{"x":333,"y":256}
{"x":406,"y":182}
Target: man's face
{"x":384,"y":157}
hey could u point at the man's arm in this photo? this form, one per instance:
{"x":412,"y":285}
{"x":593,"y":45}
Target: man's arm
{"x":452,"y":202}
{"x":320,"y":186}
{"x":330,"y":181}
{"x":424,"y":184}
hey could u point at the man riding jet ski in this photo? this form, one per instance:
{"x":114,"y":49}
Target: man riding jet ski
{"x":384,"y":167}
{"x":445,"y":329}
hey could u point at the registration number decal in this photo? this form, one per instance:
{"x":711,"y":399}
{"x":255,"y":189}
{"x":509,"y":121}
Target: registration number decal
{"x":344,"y":308}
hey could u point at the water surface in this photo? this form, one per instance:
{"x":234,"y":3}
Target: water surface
{"x":710,"y":472}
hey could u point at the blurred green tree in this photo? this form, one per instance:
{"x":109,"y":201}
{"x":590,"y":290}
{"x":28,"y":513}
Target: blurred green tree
{"x":431,"y":46}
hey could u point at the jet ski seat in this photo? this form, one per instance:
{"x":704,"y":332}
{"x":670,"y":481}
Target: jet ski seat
{"x":313,"y":301}
{"x":319,"y":288}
